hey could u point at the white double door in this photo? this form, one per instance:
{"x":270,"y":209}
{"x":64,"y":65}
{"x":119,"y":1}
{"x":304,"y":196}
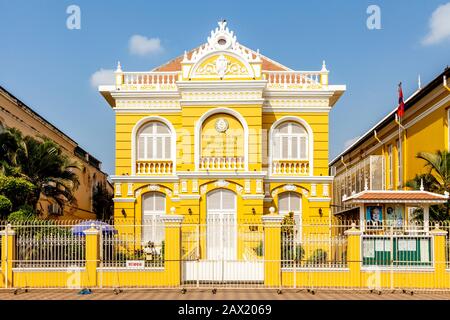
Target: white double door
{"x":221,"y":226}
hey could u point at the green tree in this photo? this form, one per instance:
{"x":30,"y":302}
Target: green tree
{"x":41,"y":162}
{"x":102,"y":202}
{"x":17,"y":190}
{"x":437,"y":179}
{"x":5,"y":206}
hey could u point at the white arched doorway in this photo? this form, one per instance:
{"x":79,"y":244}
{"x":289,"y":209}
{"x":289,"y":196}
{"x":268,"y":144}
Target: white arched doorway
{"x":221,"y":226}
{"x":153,"y":207}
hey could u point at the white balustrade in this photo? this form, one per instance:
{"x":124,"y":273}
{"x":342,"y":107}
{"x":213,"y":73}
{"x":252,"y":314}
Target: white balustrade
{"x":151,"y":80}
{"x":222,"y":163}
{"x":154,"y":167}
{"x":290,"y":167}
{"x":292,"y":79}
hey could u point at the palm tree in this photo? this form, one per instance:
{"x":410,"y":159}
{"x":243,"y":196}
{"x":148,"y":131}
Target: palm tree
{"x":102,"y":202}
{"x":10,"y":141}
{"x":51,"y":171}
{"x":42,"y":162}
{"x":439,"y":165}
{"x":437,"y":179}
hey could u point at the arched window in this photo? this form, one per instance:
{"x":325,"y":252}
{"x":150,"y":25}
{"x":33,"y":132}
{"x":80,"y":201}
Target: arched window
{"x":154,"y":142}
{"x":153,"y":207}
{"x":289,"y":202}
{"x":292,"y":202}
{"x":290,"y":142}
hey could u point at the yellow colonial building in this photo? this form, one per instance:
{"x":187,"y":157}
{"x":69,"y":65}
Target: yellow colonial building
{"x":384,"y":157}
{"x":220,"y":135}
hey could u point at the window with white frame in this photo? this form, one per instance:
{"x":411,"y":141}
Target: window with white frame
{"x":399,"y":164}
{"x":391,"y":167}
{"x":291,"y":202}
{"x":290,"y":142}
{"x":154,"y":142}
{"x":153,"y":207}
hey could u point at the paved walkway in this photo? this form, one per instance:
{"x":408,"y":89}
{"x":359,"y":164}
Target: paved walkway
{"x":224,"y":294}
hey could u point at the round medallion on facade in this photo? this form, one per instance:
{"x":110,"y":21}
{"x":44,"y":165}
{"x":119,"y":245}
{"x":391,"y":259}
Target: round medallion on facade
{"x":221,"y":125}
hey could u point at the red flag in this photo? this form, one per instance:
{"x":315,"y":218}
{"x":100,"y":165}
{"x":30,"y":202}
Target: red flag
{"x":401,"y":103}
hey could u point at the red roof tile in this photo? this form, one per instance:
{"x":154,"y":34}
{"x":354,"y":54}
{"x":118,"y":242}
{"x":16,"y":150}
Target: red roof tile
{"x":400,"y":196}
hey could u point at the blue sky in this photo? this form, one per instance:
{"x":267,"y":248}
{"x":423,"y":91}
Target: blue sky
{"x":49,"y":67}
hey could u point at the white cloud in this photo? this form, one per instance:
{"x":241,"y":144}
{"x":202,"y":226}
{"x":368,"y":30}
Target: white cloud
{"x":439,"y":26}
{"x":349,"y":142}
{"x":142,"y":46}
{"x":102,"y":77}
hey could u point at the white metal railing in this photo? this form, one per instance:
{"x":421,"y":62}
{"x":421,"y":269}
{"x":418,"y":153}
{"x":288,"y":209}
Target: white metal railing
{"x":222,"y":251}
{"x":222,"y":163}
{"x":314,"y":244}
{"x":292,"y":79}
{"x":154,"y":167}
{"x":140,"y":242}
{"x":150,"y":80}
{"x":296,"y":167}
{"x":48,"y":244}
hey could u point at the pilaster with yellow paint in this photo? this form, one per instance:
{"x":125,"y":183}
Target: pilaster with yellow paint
{"x":8,"y":237}
{"x":354,"y":255}
{"x":439,"y":257}
{"x":92,"y":255}
{"x":272,"y":249}
{"x":172,"y":250}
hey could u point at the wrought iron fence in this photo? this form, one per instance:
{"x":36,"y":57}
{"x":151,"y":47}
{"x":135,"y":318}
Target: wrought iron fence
{"x":314,"y":244}
{"x":133,"y":245}
{"x":48,"y":244}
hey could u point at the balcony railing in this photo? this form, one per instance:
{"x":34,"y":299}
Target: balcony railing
{"x":222,"y":163}
{"x":291,"y":167}
{"x":293,"y":79}
{"x":149,"y":81}
{"x":144,"y":167}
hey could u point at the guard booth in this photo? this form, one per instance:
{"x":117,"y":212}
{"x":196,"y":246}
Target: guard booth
{"x":395,"y":226}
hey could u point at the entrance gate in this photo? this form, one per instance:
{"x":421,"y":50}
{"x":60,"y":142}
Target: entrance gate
{"x":222,"y":250}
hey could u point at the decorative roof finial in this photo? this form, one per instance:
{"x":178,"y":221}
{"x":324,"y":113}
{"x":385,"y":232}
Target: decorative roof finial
{"x":185,"y":58}
{"x":421,"y":184}
{"x":324,"y":66}
{"x":419,"y":83}
{"x":119,"y":67}
{"x":222,"y":24}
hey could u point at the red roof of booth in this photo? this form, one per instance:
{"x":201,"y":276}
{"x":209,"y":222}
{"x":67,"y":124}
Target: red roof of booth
{"x":370,"y":196}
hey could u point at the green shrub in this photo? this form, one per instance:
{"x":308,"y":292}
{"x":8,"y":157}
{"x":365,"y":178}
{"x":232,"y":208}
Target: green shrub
{"x":25,"y":212}
{"x":260,"y":249}
{"x":5,"y":206}
{"x":319,"y":256}
{"x":17,"y":190}
{"x":288,"y":253}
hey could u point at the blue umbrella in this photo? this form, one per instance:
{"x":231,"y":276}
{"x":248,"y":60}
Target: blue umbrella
{"x":79,"y":229}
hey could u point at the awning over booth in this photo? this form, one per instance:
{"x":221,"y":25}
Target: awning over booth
{"x":393,"y":208}
{"x":407,"y":197}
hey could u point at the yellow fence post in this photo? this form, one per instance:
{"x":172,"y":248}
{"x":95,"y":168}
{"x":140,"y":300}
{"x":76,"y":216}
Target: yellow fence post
{"x":354,"y":255}
{"x":439,"y":257}
{"x":8,"y":236}
{"x":272,"y":250}
{"x":172,"y":249}
{"x":92,"y":255}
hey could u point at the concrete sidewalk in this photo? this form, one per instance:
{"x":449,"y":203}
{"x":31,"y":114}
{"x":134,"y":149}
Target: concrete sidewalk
{"x":221,"y":294}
